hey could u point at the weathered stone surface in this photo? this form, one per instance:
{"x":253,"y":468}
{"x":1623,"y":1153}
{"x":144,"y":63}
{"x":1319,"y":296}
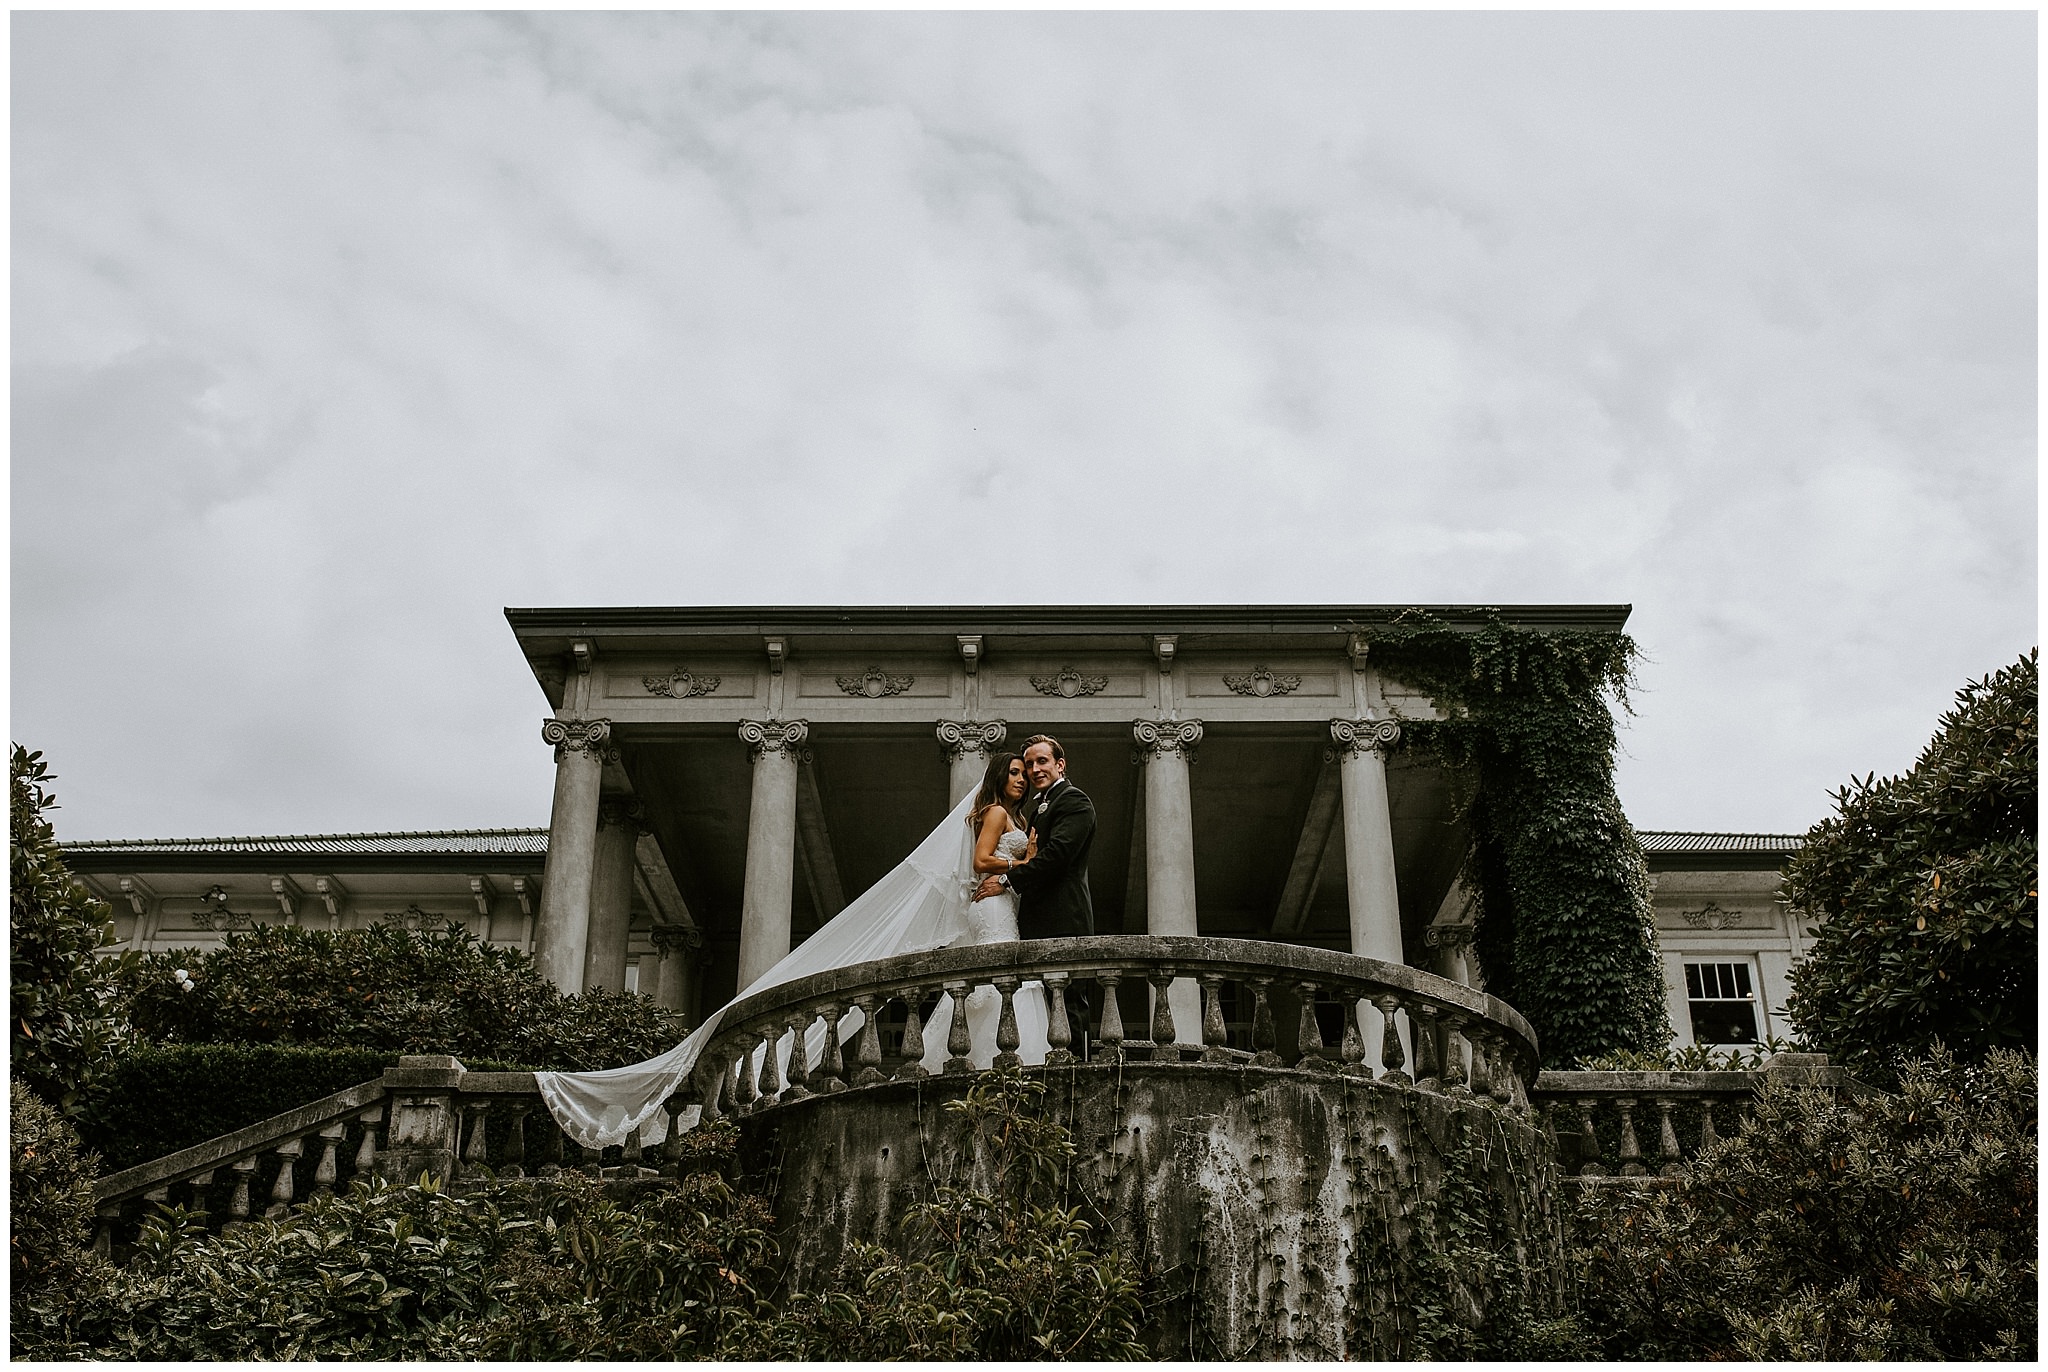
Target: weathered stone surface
{"x":1275,"y":1202}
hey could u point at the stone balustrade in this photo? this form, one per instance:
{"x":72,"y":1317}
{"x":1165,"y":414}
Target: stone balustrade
{"x":1630,"y":1125}
{"x":1433,"y":1034}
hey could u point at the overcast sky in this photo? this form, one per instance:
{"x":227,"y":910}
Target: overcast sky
{"x":333,"y":335}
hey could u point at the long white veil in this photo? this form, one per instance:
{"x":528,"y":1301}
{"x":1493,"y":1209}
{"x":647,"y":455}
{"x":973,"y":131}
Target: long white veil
{"x":921,"y":904}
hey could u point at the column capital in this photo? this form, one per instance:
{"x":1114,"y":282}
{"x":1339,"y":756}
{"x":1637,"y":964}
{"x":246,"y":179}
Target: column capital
{"x":766,"y":737}
{"x":586,"y":736}
{"x":1161,"y":736}
{"x":623,"y":811}
{"x":1448,"y":935}
{"x":960,"y":736}
{"x":1363,"y":735}
{"x":674,"y":938}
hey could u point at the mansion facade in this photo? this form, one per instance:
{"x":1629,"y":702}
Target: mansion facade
{"x":728,"y":777}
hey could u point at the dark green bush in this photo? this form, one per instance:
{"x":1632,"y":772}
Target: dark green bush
{"x":390,"y":989}
{"x":1928,"y":886}
{"x":556,"y":1269}
{"x":49,"y":1188}
{"x":65,"y":1026}
{"x":1883,"y":1226}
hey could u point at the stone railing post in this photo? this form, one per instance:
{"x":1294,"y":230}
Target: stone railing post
{"x":421,"y":1137}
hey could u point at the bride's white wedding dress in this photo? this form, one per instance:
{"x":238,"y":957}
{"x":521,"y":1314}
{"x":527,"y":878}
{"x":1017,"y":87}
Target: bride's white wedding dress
{"x":993,"y":920}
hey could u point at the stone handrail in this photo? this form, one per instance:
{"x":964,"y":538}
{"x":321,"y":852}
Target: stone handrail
{"x":1453,"y":1034}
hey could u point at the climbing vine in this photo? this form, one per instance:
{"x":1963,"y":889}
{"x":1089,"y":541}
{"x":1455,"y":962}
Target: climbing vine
{"x":1564,"y":930}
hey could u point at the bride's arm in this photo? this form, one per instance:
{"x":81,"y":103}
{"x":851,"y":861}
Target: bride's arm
{"x":992,"y":826}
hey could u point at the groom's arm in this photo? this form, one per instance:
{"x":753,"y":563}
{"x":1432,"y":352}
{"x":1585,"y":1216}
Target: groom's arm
{"x":1058,"y":844}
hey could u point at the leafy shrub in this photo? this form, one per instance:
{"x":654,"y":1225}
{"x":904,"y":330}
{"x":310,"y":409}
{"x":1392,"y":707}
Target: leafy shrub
{"x":553,"y":1269}
{"x":1885,"y":1226}
{"x":390,"y":989}
{"x":64,"y":1026}
{"x":159,"y":1099}
{"x":1927,"y":884}
{"x":49,"y":1187}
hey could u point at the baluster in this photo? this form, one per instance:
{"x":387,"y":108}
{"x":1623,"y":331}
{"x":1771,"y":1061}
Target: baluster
{"x":1215,"y":1036}
{"x":1265,"y":1041}
{"x":200,"y":1183}
{"x":1422,"y":1024}
{"x":1008,"y":1040}
{"x":593,"y":1159}
{"x":913,"y":1036}
{"x":1708,"y":1138}
{"x":515,"y":1142}
{"x":831,"y":1066}
{"x":744,"y":1094}
{"x":634,"y":1152}
{"x":330,"y":1141}
{"x":799,"y":1058}
{"x":1631,"y":1150}
{"x":366,"y":1151}
{"x":1392,"y":1058}
{"x":1500,"y":1068}
{"x":1308,"y":1032}
{"x":712,"y":1074}
{"x":103,"y":1234}
{"x":1351,"y":1043}
{"x":238,"y":1204}
{"x":958,"y":1042}
{"x":869,"y":1053}
{"x":1589,"y":1142}
{"x":1164,"y":1049}
{"x":1454,"y":1054}
{"x":1482,"y":1059}
{"x":281,"y":1189}
{"x":771,"y":1069}
{"x":672,"y":1146}
{"x":1667,"y":1138}
{"x":158,"y":1195}
{"x":1059,"y":1033}
{"x":476,"y":1152}
{"x":1111,"y":1030}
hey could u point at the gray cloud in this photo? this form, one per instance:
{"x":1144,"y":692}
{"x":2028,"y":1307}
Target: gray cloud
{"x":335,"y":334}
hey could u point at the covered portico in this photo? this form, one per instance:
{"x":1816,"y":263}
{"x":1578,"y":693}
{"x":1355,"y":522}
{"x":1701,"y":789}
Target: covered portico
{"x":784,"y":758}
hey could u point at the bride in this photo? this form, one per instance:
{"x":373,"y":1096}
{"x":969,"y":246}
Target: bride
{"x":1000,"y":843}
{"x":924,"y":902}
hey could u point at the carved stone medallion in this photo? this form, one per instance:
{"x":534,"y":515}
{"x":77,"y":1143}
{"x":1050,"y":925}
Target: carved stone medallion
{"x":1069,"y":683}
{"x":1261,"y":682}
{"x":874,"y":682}
{"x":1712,"y":916}
{"x":680,"y":684}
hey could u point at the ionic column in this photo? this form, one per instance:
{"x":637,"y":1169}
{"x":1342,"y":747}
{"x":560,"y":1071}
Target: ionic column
{"x":1369,"y":848}
{"x":967,"y":745}
{"x":1167,"y":745}
{"x":674,"y":944}
{"x":1369,"y":836}
{"x":563,"y":931}
{"x":1452,"y":942}
{"x":611,"y":894}
{"x":775,"y":747}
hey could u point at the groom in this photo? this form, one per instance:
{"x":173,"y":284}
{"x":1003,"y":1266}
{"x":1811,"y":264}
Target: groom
{"x":1052,"y":888}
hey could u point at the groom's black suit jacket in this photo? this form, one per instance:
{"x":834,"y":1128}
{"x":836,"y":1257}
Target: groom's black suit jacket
{"x":1052,"y":888}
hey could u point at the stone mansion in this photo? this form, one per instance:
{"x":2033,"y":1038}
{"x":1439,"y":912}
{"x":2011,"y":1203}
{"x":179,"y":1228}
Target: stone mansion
{"x":728,"y":777}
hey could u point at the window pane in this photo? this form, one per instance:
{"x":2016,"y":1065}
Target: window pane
{"x":1692,"y":980}
{"x":1723,"y":1021}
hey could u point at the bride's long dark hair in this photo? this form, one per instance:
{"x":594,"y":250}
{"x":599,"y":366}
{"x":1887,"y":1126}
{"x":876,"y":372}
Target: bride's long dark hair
{"x":993,"y":783}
